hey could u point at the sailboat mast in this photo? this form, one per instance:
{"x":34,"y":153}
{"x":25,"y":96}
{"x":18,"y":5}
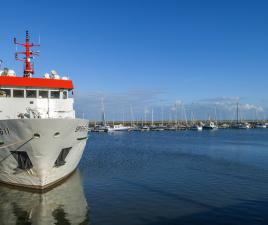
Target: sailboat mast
{"x":152,"y":116}
{"x":131,"y":115}
{"x":185,"y":115}
{"x":145,"y":119}
{"x":162,"y":115}
{"x":103,"y":113}
{"x":237,"y":113}
{"x":215,"y":111}
{"x":124,"y":118}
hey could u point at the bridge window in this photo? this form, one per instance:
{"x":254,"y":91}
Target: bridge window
{"x":64,"y":94}
{"x":43,"y":94}
{"x":5,"y":93}
{"x":31,"y":93}
{"x":54,"y":94}
{"x":18,"y":93}
{"x":70,"y":93}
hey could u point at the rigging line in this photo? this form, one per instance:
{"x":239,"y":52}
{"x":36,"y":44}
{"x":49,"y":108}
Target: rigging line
{"x":16,"y":149}
{"x":5,"y":146}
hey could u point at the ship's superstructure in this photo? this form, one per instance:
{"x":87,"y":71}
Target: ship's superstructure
{"x":26,"y":97}
{"x":41,"y":141}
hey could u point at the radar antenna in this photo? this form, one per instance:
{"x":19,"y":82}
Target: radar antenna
{"x":28,"y":65}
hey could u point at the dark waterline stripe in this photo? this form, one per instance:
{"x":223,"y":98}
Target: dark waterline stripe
{"x":82,"y":138}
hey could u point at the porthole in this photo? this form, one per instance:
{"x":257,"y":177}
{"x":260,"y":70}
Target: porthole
{"x":57,"y":134}
{"x":36,"y":135}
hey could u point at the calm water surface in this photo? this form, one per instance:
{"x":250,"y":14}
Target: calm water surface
{"x":156,"y":178}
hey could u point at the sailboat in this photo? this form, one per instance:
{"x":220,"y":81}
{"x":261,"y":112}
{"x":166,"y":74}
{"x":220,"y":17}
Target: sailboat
{"x":144,"y":126}
{"x":210,"y":125}
{"x":259,"y":124}
{"x":194,"y":125}
{"x":120,"y":127}
{"x":103,"y":127}
{"x":239,"y":124}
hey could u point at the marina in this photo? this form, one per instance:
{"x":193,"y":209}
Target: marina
{"x":167,"y":126}
{"x":174,"y":125}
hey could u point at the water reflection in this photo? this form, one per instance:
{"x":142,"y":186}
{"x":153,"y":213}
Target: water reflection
{"x":64,"y":204}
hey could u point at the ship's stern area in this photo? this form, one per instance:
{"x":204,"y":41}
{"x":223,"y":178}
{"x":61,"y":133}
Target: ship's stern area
{"x":37,"y":153}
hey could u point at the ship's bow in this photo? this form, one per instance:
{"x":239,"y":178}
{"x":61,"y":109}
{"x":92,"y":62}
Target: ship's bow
{"x":39,"y":152}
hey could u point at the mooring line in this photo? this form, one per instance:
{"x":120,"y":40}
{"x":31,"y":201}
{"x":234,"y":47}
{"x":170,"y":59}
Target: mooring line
{"x":16,"y":149}
{"x":5,"y":146}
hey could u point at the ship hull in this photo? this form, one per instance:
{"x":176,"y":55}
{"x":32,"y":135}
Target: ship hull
{"x":37,"y":153}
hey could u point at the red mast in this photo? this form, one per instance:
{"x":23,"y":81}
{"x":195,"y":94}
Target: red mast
{"x":28,"y":65}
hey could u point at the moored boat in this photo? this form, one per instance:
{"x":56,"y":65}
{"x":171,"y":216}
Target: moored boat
{"x":210,"y":126}
{"x":41,"y":140}
{"x":118,"y":127}
{"x":241,"y":126}
{"x":145,"y":128}
{"x":196,"y":127}
{"x":100,"y":128}
{"x":261,"y":125}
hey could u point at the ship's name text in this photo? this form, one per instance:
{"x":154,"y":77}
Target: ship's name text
{"x":4,"y":131}
{"x":81,"y":128}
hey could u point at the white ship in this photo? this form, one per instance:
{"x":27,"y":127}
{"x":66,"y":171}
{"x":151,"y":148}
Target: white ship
{"x":41,"y":141}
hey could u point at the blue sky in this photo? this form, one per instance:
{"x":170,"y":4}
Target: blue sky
{"x":162,"y":51}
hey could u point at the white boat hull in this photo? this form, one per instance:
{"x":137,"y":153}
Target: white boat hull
{"x":112,"y":129}
{"x":42,"y":140}
{"x":198,"y":128}
{"x":261,"y":126}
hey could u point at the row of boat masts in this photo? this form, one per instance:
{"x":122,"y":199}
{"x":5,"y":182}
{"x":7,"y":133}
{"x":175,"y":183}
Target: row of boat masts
{"x":158,"y":126}
{"x":162,"y":125}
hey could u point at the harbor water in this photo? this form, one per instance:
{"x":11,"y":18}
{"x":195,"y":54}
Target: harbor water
{"x":155,"y":178}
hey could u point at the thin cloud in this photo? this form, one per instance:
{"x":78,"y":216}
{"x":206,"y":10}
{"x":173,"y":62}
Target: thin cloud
{"x":137,"y":104}
{"x":117,"y":103}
